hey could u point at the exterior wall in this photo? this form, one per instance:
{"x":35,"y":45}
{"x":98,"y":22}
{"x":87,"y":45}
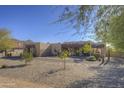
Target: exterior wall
{"x":103,"y":51}
{"x":15,"y":52}
{"x":42,"y":49}
{"x":30,"y":48}
{"x":97,"y":50}
{"x":55,"y":49}
{"x":2,"y":54}
{"x":18,"y":44}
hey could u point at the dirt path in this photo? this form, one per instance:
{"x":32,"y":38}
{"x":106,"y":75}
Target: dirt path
{"x":108,"y":76}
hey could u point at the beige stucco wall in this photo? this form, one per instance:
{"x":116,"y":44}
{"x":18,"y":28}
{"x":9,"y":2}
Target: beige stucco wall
{"x":55,"y":49}
{"x":42,"y":49}
{"x":16,"y":52}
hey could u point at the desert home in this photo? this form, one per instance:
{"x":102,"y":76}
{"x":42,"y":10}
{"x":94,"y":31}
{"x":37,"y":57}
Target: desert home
{"x":52,"y":49}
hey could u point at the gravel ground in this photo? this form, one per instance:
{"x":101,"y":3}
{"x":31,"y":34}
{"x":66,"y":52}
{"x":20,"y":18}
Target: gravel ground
{"x":48,"y":72}
{"x":108,"y":76}
{"x":16,"y":83}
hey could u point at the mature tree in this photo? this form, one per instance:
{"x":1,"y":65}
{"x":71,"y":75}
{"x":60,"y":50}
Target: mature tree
{"x":87,"y":17}
{"x":116,"y":31}
{"x":5,"y":40}
{"x":103,"y":26}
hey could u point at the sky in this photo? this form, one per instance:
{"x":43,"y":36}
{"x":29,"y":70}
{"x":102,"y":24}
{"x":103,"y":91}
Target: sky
{"x":34,"y":23}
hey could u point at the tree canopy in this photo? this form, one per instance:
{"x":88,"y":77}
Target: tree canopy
{"x":87,"y":48}
{"x":5,"y":40}
{"x":116,"y":31}
{"x":100,"y":19}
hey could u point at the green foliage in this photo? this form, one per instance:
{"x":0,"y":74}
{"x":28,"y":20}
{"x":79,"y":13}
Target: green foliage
{"x":85,"y":17}
{"x":86,"y":48}
{"x":77,"y":52}
{"x":64,"y":54}
{"x":116,"y":31}
{"x":27,"y":56}
{"x":5,"y":41}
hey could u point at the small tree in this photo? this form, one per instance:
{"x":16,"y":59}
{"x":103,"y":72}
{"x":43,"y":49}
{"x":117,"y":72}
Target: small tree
{"x":27,"y":56}
{"x":78,"y":52}
{"x":63,"y":55}
{"x":87,"y":48}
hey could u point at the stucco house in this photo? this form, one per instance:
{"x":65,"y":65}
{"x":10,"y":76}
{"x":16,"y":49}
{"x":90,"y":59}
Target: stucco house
{"x":72,"y":47}
{"x":47,"y":49}
{"x":39,"y":49}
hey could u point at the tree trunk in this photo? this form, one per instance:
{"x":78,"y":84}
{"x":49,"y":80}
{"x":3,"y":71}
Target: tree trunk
{"x":103,"y":54}
{"x":108,"y":55}
{"x":64,"y":64}
{"x":90,"y":48}
{"x":25,"y":61}
{"x":5,"y":53}
{"x":103,"y":60}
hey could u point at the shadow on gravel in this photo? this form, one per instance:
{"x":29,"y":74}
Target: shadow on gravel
{"x":113,"y":79}
{"x":54,"y":71}
{"x":15,"y":66}
{"x":77,"y":59}
{"x":118,"y":61}
{"x":109,"y":76}
{"x":12,"y":58}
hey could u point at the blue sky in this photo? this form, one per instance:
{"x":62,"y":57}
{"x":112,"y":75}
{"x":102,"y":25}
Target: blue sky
{"x":33,"y":23}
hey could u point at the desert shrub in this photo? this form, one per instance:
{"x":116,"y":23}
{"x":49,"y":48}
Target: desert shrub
{"x":27,"y":56}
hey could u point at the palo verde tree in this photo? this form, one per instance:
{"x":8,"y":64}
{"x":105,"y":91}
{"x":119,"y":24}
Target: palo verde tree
{"x":5,"y":40}
{"x":63,"y":55}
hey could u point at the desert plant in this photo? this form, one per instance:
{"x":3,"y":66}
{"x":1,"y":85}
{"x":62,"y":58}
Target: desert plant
{"x":63,"y":55}
{"x":27,"y":56}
